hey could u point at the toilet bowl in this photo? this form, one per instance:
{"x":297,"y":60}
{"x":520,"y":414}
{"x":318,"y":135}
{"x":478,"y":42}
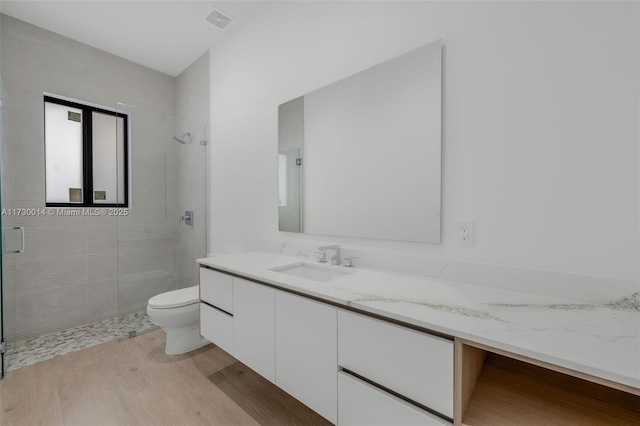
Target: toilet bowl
{"x":177,"y":312}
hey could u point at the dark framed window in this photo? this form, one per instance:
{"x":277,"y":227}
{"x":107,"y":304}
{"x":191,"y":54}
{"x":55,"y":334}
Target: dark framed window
{"x":86,"y":155}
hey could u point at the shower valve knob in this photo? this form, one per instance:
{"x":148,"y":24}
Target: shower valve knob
{"x":187,"y":217}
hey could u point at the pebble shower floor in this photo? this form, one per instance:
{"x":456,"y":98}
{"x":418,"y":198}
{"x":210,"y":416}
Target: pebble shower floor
{"x":27,"y":352}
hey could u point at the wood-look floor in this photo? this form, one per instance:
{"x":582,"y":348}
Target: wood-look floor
{"x":134,"y":382}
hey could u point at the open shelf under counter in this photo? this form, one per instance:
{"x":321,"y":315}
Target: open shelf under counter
{"x":494,"y":388}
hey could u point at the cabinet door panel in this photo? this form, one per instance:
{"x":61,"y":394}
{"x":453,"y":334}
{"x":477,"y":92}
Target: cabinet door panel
{"x":414,"y":364}
{"x":217,"y":327}
{"x":363,"y":404}
{"x":253,"y":326}
{"x":307,"y":352}
{"x":216,"y":289}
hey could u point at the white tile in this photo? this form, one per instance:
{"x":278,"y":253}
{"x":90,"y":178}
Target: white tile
{"x":102,"y":266}
{"x":101,"y":239}
{"x":102,"y":300}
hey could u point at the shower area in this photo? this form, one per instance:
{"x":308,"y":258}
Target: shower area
{"x":76,"y":277}
{"x":164,"y":230}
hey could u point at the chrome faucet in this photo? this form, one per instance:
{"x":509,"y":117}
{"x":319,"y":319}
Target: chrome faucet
{"x":335,"y":259}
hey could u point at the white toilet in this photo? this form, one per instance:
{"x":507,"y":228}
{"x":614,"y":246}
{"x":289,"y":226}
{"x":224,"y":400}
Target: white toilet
{"x":178,"y":313}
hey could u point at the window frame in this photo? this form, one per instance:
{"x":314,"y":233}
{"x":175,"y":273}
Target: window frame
{"x":87,"y":152}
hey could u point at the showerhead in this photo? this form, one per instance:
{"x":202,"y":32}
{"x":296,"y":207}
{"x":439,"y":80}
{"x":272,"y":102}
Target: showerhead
{"x":182,"y":139}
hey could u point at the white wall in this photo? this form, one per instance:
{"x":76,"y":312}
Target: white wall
{"x":540,"y":137}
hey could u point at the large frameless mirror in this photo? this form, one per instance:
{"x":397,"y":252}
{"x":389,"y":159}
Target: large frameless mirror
{"x":362,"y":157}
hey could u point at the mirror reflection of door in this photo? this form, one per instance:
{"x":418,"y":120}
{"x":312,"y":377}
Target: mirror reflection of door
{"x":290,"y":146}
{"x":290,"y":163}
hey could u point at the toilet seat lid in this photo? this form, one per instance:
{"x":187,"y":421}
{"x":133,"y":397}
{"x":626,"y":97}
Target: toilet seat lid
{"x":175,"y":298}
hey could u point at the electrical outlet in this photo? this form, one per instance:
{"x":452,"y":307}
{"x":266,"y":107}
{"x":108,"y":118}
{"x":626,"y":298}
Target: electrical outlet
{"x":465,"y":234}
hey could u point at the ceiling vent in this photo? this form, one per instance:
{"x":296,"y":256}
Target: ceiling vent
{"x":219,"y":19}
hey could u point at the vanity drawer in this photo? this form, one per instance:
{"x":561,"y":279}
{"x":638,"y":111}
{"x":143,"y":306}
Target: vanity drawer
{"x":217,"y":327}
{"x":416,"y":365}
{"x":216,"y":289}
{"x":360,"y":403}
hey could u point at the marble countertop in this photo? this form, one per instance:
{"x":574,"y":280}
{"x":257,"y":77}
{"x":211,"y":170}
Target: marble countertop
{"x":602,"y":340}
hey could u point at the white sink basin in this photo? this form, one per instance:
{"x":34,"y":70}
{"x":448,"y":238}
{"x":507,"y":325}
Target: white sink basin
{"x":310,"y":272}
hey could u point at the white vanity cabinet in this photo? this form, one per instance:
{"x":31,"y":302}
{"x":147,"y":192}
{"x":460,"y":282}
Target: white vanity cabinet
{"x":216,"y":289}
{"x":217,"y":327}
{"x":216,"y":313}
{"x":253,"y":326}
{"x":367,"y":368}
{"x":307,"y":352}
{"x":350,"y":368}
{"x":364,"y":404}
{"x":411,"y":363}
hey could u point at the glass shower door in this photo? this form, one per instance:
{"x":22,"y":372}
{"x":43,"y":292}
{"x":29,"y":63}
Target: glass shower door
{"x":157,"y":247}
{"x":2,"y":339}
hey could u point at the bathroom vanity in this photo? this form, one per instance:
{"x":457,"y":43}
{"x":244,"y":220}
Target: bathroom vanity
{"x":368,"y":347}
